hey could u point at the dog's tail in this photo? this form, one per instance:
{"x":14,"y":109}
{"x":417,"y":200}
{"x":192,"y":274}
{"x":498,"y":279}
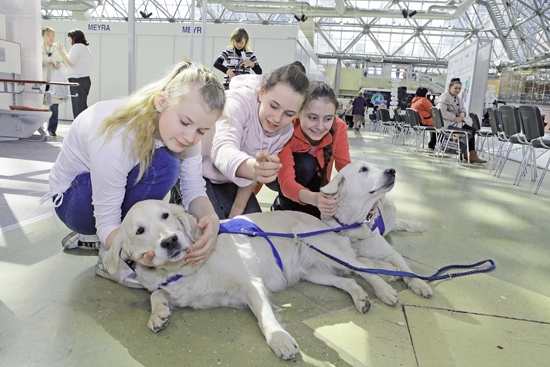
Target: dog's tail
{"x":409,"y":226}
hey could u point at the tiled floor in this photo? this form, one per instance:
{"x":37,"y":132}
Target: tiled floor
{"x":55,"y":312}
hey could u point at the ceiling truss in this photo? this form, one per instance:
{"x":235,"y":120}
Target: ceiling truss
{"x":367,"y":31}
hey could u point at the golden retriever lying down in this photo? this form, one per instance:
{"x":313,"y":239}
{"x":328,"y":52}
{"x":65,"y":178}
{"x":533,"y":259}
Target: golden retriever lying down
{"x":242,"y":270}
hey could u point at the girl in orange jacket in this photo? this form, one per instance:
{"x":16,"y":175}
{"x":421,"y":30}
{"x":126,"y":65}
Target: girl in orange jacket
{"x":320,"y":140}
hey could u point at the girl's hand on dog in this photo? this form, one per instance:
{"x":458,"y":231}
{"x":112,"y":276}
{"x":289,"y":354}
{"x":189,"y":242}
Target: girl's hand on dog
{"x":266,"y":167}
{"x":326,"y":204}
{"x":199,"y":251}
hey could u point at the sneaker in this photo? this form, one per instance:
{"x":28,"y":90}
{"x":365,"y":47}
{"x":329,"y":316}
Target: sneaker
{"x":52,"y":133}
{"x":76,"y":240}
{"x":124,"y":276}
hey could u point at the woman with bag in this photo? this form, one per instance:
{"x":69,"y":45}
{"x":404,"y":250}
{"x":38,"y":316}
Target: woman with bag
{"x":53,"y":70}
{"x":454,"y":115}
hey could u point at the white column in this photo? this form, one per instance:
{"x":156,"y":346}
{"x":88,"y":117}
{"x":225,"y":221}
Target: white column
{"x":24,"y":27}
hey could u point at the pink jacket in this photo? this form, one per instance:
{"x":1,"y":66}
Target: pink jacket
{"x":238,"y":134}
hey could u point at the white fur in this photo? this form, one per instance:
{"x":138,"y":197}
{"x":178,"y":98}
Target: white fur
{"x":359,"y":186}
{"x":241,"y":271}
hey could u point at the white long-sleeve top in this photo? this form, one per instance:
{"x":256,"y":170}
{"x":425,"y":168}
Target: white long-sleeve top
{"x":238,"y":134}
{"x":80,"y":57}
{"x":109,"y":163}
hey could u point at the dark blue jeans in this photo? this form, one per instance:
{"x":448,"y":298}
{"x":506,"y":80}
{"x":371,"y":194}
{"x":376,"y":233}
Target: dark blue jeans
{"x":52,"y":123}
{"x":77,"y":210}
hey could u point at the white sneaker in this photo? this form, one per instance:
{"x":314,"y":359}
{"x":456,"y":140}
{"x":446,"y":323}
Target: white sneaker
{"x":124,"y":275}
{"x":76,"y":240}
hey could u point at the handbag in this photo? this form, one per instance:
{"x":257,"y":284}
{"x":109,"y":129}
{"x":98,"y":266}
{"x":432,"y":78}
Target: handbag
{"x":60,"y":93}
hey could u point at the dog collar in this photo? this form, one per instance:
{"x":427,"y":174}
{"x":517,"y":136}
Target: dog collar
{"x":378,"y":222}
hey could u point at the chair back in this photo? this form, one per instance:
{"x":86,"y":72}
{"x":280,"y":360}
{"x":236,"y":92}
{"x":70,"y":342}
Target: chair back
{"x":406,"y":119}
{"x":436,"y":116}
{"x":495,"y":120}
{"x":410,"y":113}
{"x":510,"y":120}
{"x":384,"y":114}
{"x":475,"y":121}
{"x":533,"y":125}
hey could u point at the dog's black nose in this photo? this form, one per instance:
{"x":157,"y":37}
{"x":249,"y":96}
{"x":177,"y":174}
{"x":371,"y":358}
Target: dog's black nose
{"x":170,"y":243}
{"x":390,"y":171}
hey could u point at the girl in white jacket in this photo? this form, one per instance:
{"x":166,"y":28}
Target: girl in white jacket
{"x":120,"y":152}
{"x":255,"y":125}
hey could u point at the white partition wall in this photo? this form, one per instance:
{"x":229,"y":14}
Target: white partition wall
{"x":159,"y":46}
{"x":471,"y":65}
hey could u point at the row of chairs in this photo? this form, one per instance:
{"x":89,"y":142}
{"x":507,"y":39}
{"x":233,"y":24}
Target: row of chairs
{"x":510,"y":127}
{"x":522,"y":127}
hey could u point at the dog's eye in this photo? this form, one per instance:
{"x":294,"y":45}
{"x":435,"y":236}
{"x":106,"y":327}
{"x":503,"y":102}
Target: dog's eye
{"x":140,"y":230}
{"x":165,"y":215}
{"x":363,"y":169}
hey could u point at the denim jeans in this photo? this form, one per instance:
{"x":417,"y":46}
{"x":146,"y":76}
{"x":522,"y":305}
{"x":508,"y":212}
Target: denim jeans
{"x":77,"y":210}
{"x":80,"y":101}
{"x":52,"y":123}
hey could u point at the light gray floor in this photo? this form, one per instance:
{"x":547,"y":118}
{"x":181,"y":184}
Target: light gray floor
{"x":55,"y":312}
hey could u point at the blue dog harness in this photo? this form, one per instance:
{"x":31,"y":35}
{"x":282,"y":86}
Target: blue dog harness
{"x":243,"y":226}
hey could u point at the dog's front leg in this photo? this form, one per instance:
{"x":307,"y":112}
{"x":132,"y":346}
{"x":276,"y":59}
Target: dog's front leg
{"x":160,"y":310}
{"x":360,"y":297}
{"x":416,"y":285}
{"x":278,"y":339}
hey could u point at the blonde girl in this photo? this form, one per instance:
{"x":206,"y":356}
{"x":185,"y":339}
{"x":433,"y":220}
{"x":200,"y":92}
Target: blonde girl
{"x":119,"y":152}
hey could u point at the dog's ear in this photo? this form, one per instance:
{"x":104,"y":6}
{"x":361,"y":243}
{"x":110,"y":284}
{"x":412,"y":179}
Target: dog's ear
{"x":188,"y":222}
{"x":112,"y":257}
{"x":334,"y":186}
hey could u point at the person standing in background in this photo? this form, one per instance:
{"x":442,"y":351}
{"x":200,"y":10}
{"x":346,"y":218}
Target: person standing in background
{"x":239,"y":59}
{"x":51,"y":60}
{"x":359,"y":104}
{"x":79,"y":60}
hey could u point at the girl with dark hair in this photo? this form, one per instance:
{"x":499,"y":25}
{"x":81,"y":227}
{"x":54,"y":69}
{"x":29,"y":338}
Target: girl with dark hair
{"x":320,"y":140}
{"x":79,"y":60}
{"x":238,"y":57}
{"x":242,"y":149}
{"x":423,"y":105}
{"x":454,"y":115}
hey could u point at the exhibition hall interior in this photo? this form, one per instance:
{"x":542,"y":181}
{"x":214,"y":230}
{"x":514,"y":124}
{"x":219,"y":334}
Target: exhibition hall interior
{"x":474,"y":181}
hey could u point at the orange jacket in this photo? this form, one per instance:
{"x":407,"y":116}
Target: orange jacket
{"x":423,"y":105}
{"x":299,"y":144}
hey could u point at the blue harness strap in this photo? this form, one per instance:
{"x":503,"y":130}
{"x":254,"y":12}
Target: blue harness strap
{"x":243,"y":226}
{"x":379,"y":223}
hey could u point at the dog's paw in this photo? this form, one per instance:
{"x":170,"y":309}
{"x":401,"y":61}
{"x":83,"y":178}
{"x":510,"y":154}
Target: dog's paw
{"x":159,"y":321}
{"x":379,"y":264}
{"x":388,"y":295}
{"x":283,"y":344}
{"x":363,"y":305}
{"x":420,"y":287}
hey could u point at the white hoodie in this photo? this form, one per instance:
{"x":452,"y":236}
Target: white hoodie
{"x":238,"y":134}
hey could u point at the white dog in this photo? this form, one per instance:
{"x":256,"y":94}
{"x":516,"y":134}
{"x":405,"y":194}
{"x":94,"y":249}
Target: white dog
{"x":360,"y":186}
{"x":243,"y":270}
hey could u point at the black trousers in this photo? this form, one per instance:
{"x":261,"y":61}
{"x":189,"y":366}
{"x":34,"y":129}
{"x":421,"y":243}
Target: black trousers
{"x":80,"y":94}
{"x":223,"y":195}
{"x":307,"y":169}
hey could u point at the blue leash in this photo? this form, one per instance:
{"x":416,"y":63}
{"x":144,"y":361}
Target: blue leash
{"x":243,"y":226}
